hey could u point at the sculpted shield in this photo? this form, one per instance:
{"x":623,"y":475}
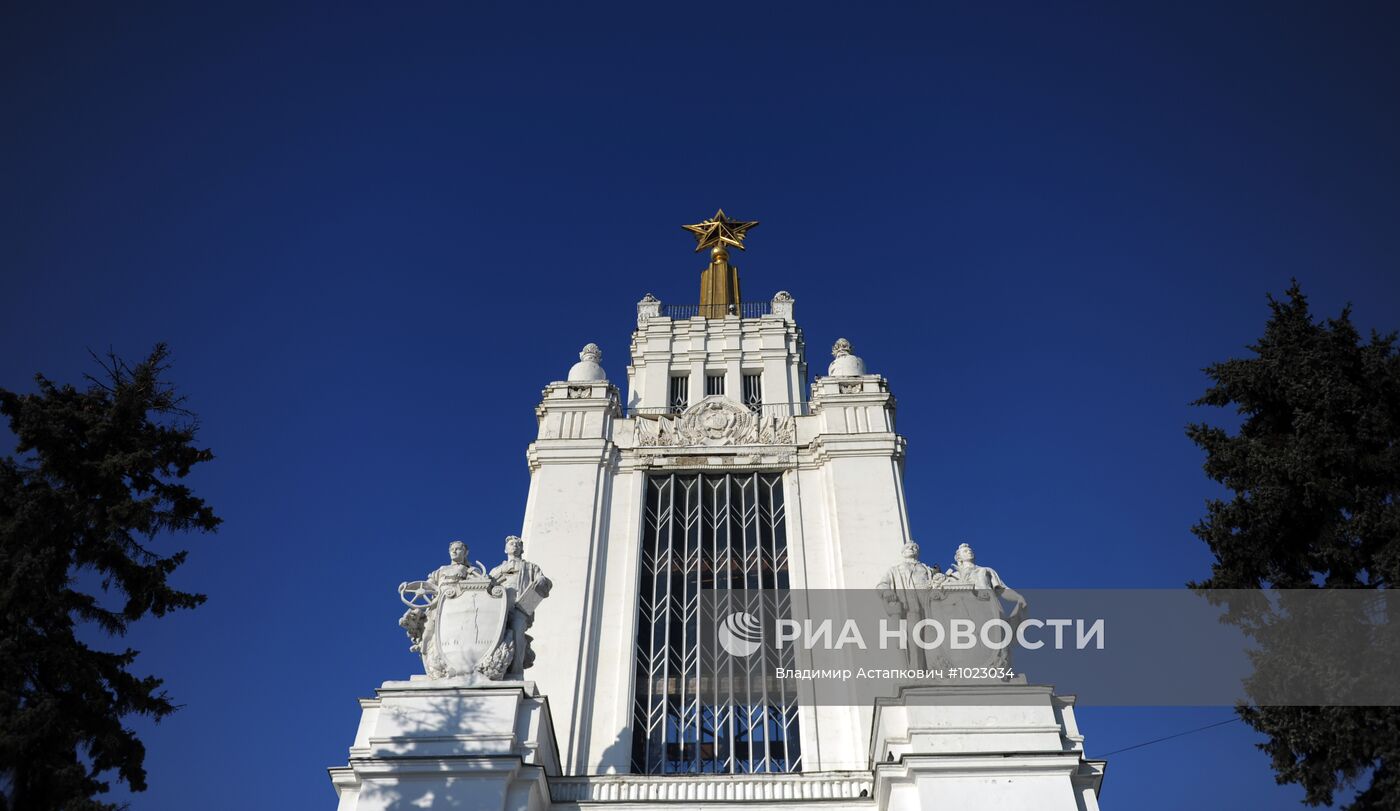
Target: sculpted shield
{"x":471,"y":627}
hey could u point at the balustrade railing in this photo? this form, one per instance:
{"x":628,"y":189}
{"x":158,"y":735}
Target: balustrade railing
{"x":765,"y":410}
{"x":744,"y":309}
{"x":732,"y":788}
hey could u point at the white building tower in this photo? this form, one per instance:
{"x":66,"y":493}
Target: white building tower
{"x":720,"y":469}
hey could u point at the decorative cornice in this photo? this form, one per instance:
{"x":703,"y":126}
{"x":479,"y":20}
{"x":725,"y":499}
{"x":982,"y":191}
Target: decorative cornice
{"x":601,"y":452}
{"x":826,"y":447}
{"x":748,"y":458}
{"x":999,"y":764}
{"x":580,"y":396}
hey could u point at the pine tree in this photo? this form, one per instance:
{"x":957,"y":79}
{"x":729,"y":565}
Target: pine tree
{"x":94,"y":482}
{"x":1314,"y":473}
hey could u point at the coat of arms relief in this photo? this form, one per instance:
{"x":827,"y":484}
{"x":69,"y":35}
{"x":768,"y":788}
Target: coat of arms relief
{"x":716,"y":420}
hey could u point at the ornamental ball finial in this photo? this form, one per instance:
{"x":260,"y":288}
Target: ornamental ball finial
{"x":587,"y":370}
{"x":845,"y":363}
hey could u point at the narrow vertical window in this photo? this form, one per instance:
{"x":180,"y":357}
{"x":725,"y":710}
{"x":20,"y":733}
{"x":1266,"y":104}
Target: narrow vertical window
{"x":714,"y":384}
{"x":680,"y":393}
{"x":753,"y":391}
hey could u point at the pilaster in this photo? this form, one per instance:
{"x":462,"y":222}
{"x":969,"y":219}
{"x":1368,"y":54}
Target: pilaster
{"x":856,"y":460}
{"x":566,"y":526}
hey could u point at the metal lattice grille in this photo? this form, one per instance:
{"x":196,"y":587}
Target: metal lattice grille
{"x":704,"y":532}
{"x":753,"y":392}
{"x":679,"y":394}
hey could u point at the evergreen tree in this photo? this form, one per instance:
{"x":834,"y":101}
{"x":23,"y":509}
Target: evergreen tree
{"x":1314,"y":475}
{"x":94,"y":481}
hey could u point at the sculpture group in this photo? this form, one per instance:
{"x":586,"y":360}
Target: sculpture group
{"x":467,"y":622}
{"x":915,"y":592}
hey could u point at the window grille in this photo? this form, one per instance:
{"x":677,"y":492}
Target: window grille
{"x":702,"y":532}
{"x":680,"y":393}
{"x":714,"y":384}
{"x":753,"y":392}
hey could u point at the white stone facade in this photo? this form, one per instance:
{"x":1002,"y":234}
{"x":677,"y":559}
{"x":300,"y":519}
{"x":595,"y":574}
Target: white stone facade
{"x":841,"y":463}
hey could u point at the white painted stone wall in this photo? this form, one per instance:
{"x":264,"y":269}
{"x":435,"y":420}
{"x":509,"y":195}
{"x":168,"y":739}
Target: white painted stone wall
{"x":661,"y":347}
{"x":426,"y":745}
{"x":569,"y":517}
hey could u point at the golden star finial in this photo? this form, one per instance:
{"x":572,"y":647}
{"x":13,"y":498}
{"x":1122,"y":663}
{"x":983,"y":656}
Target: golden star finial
{"x":719,"y":230}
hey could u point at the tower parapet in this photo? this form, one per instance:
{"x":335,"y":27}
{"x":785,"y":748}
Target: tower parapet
{"x":679,"y":357}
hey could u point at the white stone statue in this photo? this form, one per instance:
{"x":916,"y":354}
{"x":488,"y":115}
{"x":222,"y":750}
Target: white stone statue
{"x":905,"y":582}
{"x":914,"y":591}
{"x":529,"y":586}
{"x":907,"y":589}
{"x":466,"y":623}
{"x":975,"y":593}
{"x":966,"y":572}
{"x":447,"y":577}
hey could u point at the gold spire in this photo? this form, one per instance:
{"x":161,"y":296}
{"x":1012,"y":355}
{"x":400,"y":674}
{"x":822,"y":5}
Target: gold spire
{"x":719,"y":283}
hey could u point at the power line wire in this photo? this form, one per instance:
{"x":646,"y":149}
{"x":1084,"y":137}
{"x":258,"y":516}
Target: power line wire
{"x":1169,"y":737}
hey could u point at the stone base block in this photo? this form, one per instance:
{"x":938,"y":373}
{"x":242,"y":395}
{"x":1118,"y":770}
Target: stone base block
{"x":1009,"y":747}
{"x":425,"y":744}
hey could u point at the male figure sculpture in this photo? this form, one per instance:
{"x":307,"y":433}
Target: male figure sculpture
{"x":444,"y":581}
{"x":975,"y":594}
{"x":529,"y":586}
{"x":906,"y":589}
{"x":965,"y":571}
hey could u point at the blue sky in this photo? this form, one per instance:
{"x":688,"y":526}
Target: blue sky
{"x":370,"y":236}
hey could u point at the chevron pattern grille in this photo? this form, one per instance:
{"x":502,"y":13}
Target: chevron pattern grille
{"x":704,"y":532}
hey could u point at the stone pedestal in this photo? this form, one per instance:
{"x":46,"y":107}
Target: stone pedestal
{"x":1006,"y":747}
{"x":425,"y":744}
